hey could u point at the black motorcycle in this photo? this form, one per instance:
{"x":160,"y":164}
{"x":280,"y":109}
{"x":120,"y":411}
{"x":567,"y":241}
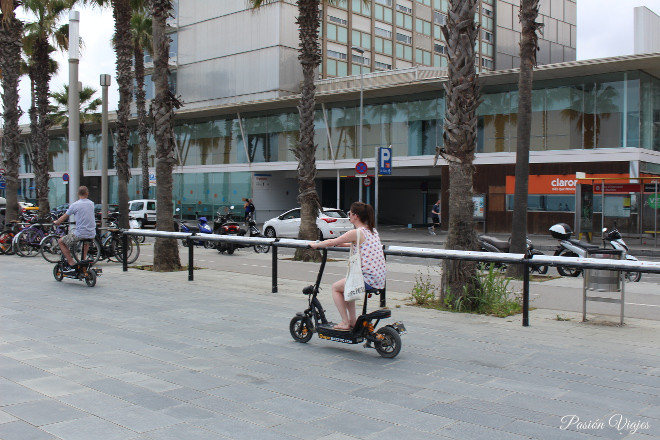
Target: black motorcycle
{"x":492,"y":244}
{"x":225,"y":223}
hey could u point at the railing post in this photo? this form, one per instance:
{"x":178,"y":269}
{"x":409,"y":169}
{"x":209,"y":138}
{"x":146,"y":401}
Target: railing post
{"x":383,"y":298}
{"x":525,"y":304}
{"x":190,"y":258}
{"x":274,"y":266}
{"x":124,"y":251}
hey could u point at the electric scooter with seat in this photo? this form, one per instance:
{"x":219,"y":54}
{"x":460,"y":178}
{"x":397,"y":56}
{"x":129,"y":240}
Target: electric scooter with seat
{"x":83,"y":270}
{"x":386,"y":340}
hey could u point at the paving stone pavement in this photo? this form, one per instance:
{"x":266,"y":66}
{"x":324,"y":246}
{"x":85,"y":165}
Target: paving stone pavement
{"x":146,"y":356}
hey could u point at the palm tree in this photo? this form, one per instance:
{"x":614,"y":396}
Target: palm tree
{"x":88,"y":114}
{"x":166,"y":251}
{"x":45,"y":27}
{"x":11,"y":32}
{"x":459,"y":281}
{"x":305,"y":150}
{"x":122,"y":12}
{"x":141,"y":35}
{"x":88,"y":107}
{"x":529,"y":11}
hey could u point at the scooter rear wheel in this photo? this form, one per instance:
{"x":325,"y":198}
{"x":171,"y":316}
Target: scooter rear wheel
{"x":90,"y":278}
{"x":390,"y":345}
{"x":568,"y":271}
{"x":300,"y":329}
{"x":633,"y":277}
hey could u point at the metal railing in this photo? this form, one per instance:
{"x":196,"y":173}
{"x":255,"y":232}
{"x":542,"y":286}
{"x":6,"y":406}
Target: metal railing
{"x":404,"y":251}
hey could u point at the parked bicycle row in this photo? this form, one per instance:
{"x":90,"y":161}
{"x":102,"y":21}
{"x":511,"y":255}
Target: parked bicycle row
{"x":32,"y":239}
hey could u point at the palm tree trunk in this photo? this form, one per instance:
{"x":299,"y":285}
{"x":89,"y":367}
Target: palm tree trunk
{"x":143,"y":130}
{"x":459,"y":282}
{"x":305,"y":150}
{"x":122,"y":14}
{"x":166,"y":251}
{"x":11,"y":30}
{"x":529,"y":10}
{"x":40,"y":137}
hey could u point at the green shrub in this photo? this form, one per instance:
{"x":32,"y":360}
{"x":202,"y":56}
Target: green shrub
{"x":492,"y":295}
{"x":424,"y":291}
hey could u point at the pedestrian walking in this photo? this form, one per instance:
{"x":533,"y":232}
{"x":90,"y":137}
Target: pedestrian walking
{"x":435,"y":218}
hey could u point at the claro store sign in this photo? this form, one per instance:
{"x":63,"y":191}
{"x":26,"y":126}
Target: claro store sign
{"x":560,"y":184}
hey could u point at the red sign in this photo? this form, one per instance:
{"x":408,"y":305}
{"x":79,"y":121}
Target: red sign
{"x":65,"y":177}
{"x":367,"y":181}
{"x":361,"y":168}
{"x":617,"y":187}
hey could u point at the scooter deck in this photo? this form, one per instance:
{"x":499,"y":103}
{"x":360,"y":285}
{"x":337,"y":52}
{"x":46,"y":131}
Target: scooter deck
{"x":326,"y":331}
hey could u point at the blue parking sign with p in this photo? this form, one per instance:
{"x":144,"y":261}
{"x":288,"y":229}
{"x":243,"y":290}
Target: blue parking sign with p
{"x":385,"y":160}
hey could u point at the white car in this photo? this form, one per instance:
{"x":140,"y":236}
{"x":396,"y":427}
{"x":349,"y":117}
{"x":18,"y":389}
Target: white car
{"x":331,"y":223}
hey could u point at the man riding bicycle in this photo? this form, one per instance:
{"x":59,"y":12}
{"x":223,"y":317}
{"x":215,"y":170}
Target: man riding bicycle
{"x":83,"y":210}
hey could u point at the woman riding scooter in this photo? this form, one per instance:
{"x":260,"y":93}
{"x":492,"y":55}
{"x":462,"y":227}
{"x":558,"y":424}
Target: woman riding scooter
{"x":374,"y":270}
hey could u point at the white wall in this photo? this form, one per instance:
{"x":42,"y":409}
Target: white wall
{"x":647,"y":31}
{"x":278,"y":196}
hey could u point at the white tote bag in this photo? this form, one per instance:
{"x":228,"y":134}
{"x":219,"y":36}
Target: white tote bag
{"x":354,"y":287}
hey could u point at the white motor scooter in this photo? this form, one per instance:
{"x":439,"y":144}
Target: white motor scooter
{"x":134,"y":224}
{"x":613,"y":238}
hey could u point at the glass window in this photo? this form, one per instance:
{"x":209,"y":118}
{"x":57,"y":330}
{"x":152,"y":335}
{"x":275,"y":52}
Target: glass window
{"x":383,"y":14}
{"x":331,"y":31}
{"x":331,"y":67}
{"x":342,"y":34}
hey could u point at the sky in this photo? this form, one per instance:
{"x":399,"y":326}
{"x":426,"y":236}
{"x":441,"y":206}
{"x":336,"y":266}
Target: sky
{"x":604,"y":29}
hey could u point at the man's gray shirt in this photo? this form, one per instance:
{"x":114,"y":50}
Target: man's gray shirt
{"x":83,"y":209}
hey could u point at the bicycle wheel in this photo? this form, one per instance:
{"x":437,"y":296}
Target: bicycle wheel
{"x":24,"y":243}
{"x":6,"y":239}
{"x":133,"y":249}
{"x":50,"y":248}
{"x":93,"y":253}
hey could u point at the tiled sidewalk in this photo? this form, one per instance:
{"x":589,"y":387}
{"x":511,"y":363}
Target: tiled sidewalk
{"x":153,"y":356}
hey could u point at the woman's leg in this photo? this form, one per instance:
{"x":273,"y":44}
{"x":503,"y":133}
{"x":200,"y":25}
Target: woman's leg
{"x":341,"y":304}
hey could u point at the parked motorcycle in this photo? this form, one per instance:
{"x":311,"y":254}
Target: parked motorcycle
{"x":224,"y":224}
{"x":202,"y":227}
{"x":492,"y":244}
{"x":613,"y":238}
{"x":569,"y":247}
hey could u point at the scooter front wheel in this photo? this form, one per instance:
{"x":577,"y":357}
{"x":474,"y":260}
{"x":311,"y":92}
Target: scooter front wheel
{"x":390,"y":344}
{"x":57,"y":273}
{"x":301,"y":330}
{"x":633,"y":277}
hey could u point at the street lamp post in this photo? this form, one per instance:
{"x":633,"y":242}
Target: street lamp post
{"x":74,"y":105}
{"x":359,"y":50}
{"x":105,"y":83}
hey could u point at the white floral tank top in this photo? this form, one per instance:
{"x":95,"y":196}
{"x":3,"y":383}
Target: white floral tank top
{"x":373,"y":259}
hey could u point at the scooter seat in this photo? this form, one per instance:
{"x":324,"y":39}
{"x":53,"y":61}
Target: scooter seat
{"x":499,"y":244}
{"x":194,"y":229}
{"x":583,"y":244}
{"x":378,"y":314}
{"x":375,"y":291}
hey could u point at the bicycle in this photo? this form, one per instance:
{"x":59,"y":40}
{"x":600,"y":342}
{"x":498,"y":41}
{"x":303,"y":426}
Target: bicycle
{"x":27,"y":242}
{"x":107,"y":246}
{"x":50,"y":246}
{"x":7,"y":238}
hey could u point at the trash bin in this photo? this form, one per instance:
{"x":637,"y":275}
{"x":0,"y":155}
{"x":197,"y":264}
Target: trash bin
{"x":603,"y":280}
